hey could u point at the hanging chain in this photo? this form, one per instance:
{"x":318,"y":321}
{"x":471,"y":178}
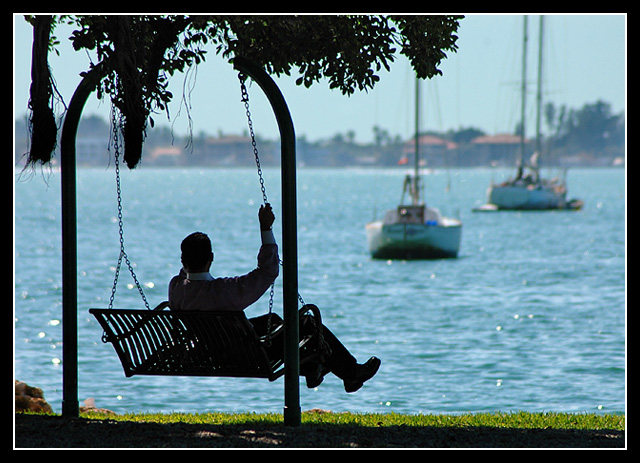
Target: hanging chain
{"x":245,"y":100}
{"x":123,"y":254}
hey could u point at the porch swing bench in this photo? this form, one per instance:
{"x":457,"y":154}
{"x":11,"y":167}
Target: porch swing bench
{"x":171,"y":343}
{"x":179,"y":343}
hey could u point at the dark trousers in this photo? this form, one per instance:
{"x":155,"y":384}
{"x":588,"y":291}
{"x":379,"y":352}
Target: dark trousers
{"x":340,"y":362}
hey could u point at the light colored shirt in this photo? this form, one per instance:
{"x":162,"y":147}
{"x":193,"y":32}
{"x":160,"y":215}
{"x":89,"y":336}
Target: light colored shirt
{"x":203,"y":292}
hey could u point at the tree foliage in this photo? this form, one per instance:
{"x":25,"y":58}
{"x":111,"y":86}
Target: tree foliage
{"x":591,"y":128}
{"x":138,"y":54}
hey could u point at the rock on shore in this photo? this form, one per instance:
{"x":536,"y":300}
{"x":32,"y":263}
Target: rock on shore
{"x":29,"y":398}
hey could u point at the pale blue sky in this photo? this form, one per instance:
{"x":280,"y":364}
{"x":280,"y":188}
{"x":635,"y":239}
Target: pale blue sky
{"x":585,"y":61}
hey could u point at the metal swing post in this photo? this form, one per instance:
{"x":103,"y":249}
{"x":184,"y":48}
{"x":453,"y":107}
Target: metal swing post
{"x":292,"y":413}
{"x":70,"y":405}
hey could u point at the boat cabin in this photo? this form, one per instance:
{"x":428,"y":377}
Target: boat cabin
{"x":405,"y":214}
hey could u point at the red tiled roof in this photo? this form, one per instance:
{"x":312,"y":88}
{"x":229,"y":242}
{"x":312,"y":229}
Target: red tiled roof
{"x":500,"y":139}
{"x":429,"y":140}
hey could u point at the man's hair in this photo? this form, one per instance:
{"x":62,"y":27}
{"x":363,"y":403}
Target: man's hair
{"x":196,"y":250}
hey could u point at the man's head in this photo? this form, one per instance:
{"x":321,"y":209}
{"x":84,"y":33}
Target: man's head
{"x":197,"y":254}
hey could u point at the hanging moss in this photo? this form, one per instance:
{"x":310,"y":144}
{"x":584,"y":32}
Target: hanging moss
{"x":140,"y":45}
{"x":42,"y":122}
{"x":134,"y":135}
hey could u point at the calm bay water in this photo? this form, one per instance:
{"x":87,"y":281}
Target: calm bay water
{"x":531,"y":316}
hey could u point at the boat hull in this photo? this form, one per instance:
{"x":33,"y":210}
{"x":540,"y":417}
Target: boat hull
{"x":514,"y":197}
{"x":414,"y":240}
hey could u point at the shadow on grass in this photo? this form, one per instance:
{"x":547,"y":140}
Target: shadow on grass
{"x":42,"y":431}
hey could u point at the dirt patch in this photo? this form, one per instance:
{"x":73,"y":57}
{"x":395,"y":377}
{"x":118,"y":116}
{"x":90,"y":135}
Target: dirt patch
{"x":46,"y":431}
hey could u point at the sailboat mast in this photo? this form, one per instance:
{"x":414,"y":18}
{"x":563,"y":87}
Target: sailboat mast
{"x":539,"y":95}
{"x":524,"y":97}
{"x":535,"y":165}
{"x":415,"y":194}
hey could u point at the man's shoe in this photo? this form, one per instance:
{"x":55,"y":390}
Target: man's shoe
{"x":315,"y":377}
{"x":364,"y":372}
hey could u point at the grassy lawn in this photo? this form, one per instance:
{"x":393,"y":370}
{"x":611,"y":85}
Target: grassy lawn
{"x":322,"y":430}
{"x":519,"y":420}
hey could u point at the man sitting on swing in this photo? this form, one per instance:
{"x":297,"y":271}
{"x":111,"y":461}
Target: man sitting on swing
{"x":195,"y":289}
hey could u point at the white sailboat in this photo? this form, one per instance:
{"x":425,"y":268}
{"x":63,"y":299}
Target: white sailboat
{"x":527,"y":190}
{"x":414,"y":231}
